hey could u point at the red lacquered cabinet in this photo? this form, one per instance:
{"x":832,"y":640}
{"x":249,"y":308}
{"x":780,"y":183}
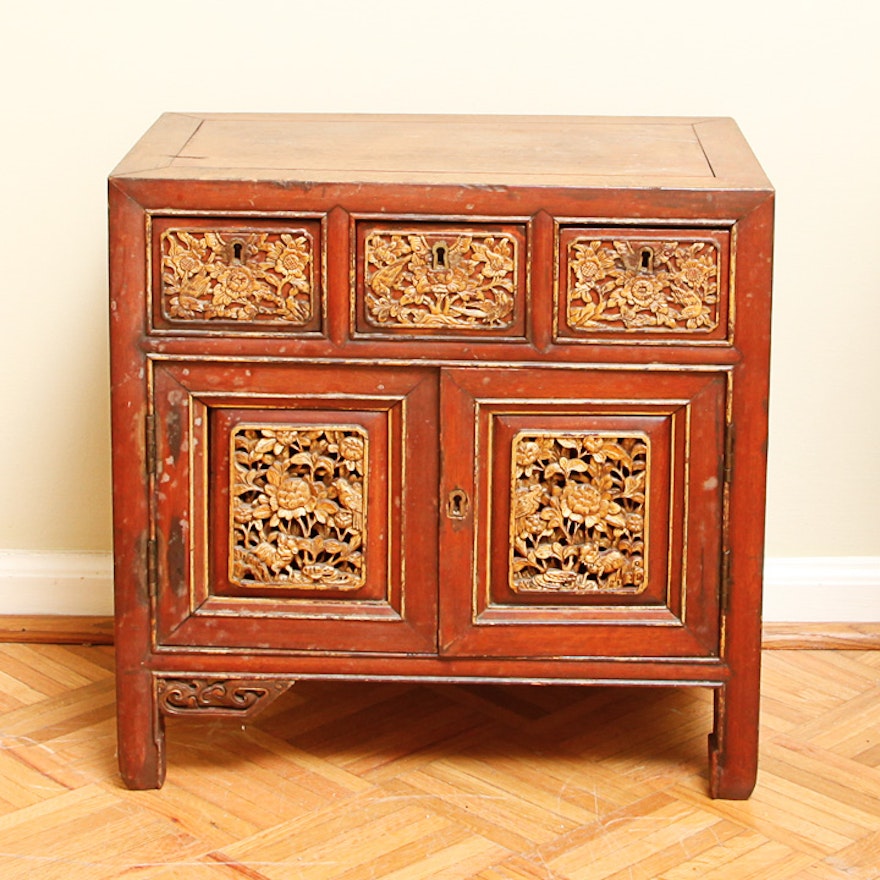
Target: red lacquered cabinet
{"x":474,"y":399}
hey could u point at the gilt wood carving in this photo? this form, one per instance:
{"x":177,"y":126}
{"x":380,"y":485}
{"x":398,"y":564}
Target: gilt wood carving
{"x":642,"y":285}
{"x":462,"y":281}
{"x":578,"y":512}
{"x":263,"y":277}
{"x":298,"y":499}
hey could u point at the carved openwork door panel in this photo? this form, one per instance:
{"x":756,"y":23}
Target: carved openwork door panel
{"x":595,"y":523}
{"x":278,"y":508}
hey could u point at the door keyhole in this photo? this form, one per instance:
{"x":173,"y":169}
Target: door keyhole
{"x":457,"y":504}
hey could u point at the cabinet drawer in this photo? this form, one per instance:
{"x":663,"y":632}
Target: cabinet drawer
{"x":440,"y":279}
{"x":654,"y":285}
{"x":241,"y":276}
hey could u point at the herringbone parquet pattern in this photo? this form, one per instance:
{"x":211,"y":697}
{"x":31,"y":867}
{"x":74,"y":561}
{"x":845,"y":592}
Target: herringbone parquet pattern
{"x":401,"y":782}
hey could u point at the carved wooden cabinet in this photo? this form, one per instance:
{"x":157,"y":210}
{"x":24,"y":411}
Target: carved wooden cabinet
{"x":463,"y":398}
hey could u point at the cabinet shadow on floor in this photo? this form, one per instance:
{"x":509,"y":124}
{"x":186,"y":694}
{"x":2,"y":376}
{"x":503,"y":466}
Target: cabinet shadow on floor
{"x":378,"y":731}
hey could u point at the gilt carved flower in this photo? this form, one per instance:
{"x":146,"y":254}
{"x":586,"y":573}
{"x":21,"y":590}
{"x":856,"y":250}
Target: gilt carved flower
{"x":644,"y":291}
{"x":352,"y":449}
{"x":527,"y":453}
{"x":592,"y":263}
{"x":291,"y":256}
{"x":235,"y":284}
{"x":696,"y":270}
{"x":288,"y":496}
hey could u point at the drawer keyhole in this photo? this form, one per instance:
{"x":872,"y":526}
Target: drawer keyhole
{"x":440,"y":255}
{"x":647,"y":260}
{"x":237,"y":251}
{"x":457,"y":504}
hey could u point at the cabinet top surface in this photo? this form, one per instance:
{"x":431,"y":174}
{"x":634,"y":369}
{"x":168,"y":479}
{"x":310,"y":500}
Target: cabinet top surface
{"x":569,"y":151}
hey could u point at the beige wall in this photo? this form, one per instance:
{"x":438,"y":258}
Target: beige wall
{"x":83,"y":80}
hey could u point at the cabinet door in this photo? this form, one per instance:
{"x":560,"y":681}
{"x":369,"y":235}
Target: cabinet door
{"x":583,"y":512}
{"x":279,"y":497}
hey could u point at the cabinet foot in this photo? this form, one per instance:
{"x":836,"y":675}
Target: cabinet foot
{"x":145,"y":701}
{"x":140,"y":735}
{"x":733,"y":745}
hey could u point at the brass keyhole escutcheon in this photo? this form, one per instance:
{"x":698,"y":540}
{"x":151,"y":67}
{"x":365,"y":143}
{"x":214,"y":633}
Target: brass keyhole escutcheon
{"x":441,"y":256}
{"x":457,"y":504}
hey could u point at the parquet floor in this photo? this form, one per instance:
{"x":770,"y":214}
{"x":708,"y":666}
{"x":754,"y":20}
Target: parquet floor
{"x":401,"y":782}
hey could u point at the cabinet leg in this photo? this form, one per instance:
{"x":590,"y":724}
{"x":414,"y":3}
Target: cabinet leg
{"x":733,"y":745}
{"x":140,"y":732}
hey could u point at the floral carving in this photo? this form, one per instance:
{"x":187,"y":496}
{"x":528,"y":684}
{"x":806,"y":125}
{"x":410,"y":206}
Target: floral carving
{"x":212,"y":697}
{"x":578,"y":512}
{"x":651,"y":285}
{"x":436,"y":280}
{"x":298,"y":498}
{"x":258,"y":276}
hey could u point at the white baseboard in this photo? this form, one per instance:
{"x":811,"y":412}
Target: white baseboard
{"x":822,"y":589}
{"x":56,"y":583}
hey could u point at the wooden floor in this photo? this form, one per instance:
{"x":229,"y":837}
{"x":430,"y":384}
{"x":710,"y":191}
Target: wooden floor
{"x":373,"y":782}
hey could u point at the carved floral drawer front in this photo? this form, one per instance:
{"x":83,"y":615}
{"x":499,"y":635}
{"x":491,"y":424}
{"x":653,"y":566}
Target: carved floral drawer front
{"x":253,"y":275}
{"x":669,"y":284}
{"x":450,"y":279}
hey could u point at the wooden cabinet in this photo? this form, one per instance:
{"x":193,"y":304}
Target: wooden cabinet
{"x":466,"y":398}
